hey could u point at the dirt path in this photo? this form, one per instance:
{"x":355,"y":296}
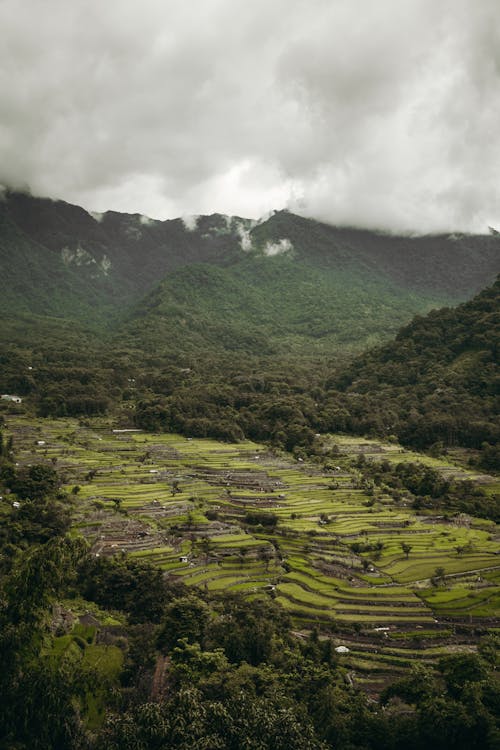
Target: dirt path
{"x":158,"y":687}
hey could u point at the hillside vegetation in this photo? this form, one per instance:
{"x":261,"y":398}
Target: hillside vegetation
{"x":435,"y":386}
{"x":271,"y":305}
{"x":437,"y":382}
{"x":210,"y":535}
{"x":220,"y":283}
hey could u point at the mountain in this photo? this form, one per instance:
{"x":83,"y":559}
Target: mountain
{"x":272,"y":305}
{"x":283,"y":284}
{"x":303,"y":287}
{"x":437,"y":382}
{"x":228,"y":327}
{"x":457,"y":265}
{"x":57,"y":259}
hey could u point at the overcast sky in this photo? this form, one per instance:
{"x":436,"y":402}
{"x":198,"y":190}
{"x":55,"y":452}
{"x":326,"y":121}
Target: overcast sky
{"x":380,"y":113}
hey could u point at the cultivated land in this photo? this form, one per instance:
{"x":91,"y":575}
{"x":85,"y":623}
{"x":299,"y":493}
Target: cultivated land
{"x":238,"y":517}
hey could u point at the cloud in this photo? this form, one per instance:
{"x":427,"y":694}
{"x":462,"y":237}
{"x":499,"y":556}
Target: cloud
{"x":278,"y":248}
{"x":190,"y":222}
{"x":374,"y":114}
{"x":245,"y":237}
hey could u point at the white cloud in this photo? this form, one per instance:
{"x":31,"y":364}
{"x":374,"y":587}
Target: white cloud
{"x":370,"y":113}
{"x":190,"y":222}
{"x":245,"y":237}
{"x":278,"y":248}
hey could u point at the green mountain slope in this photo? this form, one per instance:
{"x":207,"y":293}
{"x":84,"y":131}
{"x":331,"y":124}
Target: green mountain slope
{"x":454,"y":265}
{"x":303,"y":287}
{"x":82,"y":267}
{"x":230,"y":283}
{"x":32,"y":281}
{"x":438,"y":381}
{"x":272,"y":305}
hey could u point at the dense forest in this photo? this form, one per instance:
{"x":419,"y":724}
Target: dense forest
{"x":435,"y":386}
{"x":438,"y":382}
{"x":284,"y":284}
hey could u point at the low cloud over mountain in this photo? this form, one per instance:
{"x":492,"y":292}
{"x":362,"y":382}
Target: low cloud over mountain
{"x":376,"y":114}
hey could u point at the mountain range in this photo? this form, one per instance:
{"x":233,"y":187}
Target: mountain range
{"x":282,"y":284}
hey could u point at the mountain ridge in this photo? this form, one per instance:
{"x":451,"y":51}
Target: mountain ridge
{"x":295,"y":283}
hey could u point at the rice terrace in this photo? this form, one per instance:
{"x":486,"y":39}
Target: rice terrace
{"x":391,"y":584}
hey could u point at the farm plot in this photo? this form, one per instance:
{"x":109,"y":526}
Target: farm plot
{"x":450,"y":466}
{"x":236,"y":517}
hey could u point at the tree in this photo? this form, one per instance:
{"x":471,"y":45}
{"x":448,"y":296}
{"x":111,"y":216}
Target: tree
{"x":243,"y":551}
{"x":40,"y":520}
{"x":439,"y":576}
{"x":266,"y":555}
{"x":458,"y":669}
{"x":206,"y":547}
{"x":40,"y":574}
{"x":417,"y":686}
{"x":40,"y":709}
{"x":406,"y":548}
{"x":189,"y":720}
{"x":247,"y":630}
{"x":130,"y":585}
{"x":185,"y":618}
{"x":36,"y":482}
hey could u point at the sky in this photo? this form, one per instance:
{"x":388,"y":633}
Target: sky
{"x":372,"y":113}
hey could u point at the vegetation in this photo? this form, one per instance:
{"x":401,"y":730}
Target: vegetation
{"x":119,"y":656}
{"x":437,"y":383}
{"x":331,"y":289}
{"x":423,"y":388}
{"x":210,"y":535}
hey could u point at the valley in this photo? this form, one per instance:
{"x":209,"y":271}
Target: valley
{"x":249,"y":376}
{"x":394,"y":585}
{"x":248,"y":476}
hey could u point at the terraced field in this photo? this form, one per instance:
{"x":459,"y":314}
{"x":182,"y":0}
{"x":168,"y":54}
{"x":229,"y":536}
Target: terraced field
{"x":237,"y":517}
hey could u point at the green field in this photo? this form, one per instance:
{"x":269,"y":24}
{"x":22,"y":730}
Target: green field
{"x":237,"y":517}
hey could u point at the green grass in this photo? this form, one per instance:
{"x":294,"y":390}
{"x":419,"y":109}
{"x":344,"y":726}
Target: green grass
{"x":107,"y":660}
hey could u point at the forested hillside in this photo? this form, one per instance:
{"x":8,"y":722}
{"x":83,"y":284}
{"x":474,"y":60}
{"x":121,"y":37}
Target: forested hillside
{"x":218,"y":283}
{"x":249,"y":327}
{"x":435,"y":386}
{"x":57,"y":259}
{"x":271,"y":306}
{"x":437,"y":382}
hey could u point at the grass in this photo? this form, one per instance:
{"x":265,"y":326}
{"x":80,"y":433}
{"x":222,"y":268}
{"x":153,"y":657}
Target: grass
{"x":104,"y":661}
